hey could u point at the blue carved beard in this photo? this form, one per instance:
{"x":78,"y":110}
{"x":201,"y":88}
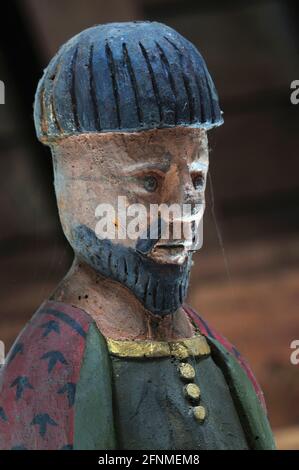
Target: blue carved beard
{"x":161,"y":288}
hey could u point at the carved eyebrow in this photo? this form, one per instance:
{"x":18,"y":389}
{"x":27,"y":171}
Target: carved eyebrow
{"x":163,"y":166}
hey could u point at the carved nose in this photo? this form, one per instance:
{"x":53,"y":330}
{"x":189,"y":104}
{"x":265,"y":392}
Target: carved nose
{"x":184,"y":191}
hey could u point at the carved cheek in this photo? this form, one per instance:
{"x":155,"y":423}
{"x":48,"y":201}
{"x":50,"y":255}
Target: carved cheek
{"x":60,"y":200}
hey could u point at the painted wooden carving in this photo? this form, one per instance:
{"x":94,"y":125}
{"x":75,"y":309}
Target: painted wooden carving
{"x":115,"y":359}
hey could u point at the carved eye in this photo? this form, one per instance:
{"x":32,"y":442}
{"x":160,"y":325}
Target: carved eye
{"x":150,"y":183}
{"x":198,"y":180}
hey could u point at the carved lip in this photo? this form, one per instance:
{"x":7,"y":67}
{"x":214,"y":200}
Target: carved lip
{"x":170,"y":245}
{"x":172,"y":253}
{"x":179,"y":245}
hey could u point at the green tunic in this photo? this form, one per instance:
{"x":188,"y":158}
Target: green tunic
{"x":124,"y":403}
{"x":153,"y":412}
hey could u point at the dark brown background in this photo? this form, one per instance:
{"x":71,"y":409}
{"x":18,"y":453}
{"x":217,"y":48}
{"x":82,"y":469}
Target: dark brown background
{"x":247,"y":286}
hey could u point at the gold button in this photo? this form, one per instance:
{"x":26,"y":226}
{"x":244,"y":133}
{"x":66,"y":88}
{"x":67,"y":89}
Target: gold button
{"x":199,"y":413}
{"x":192,"y":391}
{"x":187,"y":372}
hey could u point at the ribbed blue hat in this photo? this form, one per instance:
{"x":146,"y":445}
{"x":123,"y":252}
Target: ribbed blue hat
{"x":125,"y":77}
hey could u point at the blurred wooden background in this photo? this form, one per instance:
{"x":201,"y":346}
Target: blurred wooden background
{"x":246,"y":287}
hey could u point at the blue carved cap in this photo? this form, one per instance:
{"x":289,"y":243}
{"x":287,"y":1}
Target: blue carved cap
{"x":125,"y":77}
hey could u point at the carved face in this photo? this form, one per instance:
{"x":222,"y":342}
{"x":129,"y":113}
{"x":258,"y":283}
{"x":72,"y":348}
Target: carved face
{"x":167,"y":166}
{"x":150,"y":168}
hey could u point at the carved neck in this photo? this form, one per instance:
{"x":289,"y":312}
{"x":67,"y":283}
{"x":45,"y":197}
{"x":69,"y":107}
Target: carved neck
{"x":116,"y":310}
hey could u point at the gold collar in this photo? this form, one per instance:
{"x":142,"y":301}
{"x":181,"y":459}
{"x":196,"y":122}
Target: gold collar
{"x":181,"y":349}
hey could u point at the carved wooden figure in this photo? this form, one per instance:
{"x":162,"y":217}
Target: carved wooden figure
{"x":114,"y":359}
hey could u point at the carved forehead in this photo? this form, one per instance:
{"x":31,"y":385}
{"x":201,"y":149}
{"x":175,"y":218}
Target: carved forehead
{"x":154,"y":145}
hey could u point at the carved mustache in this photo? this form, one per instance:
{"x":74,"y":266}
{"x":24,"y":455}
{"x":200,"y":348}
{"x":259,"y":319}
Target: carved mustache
{"x":146,"y":244}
